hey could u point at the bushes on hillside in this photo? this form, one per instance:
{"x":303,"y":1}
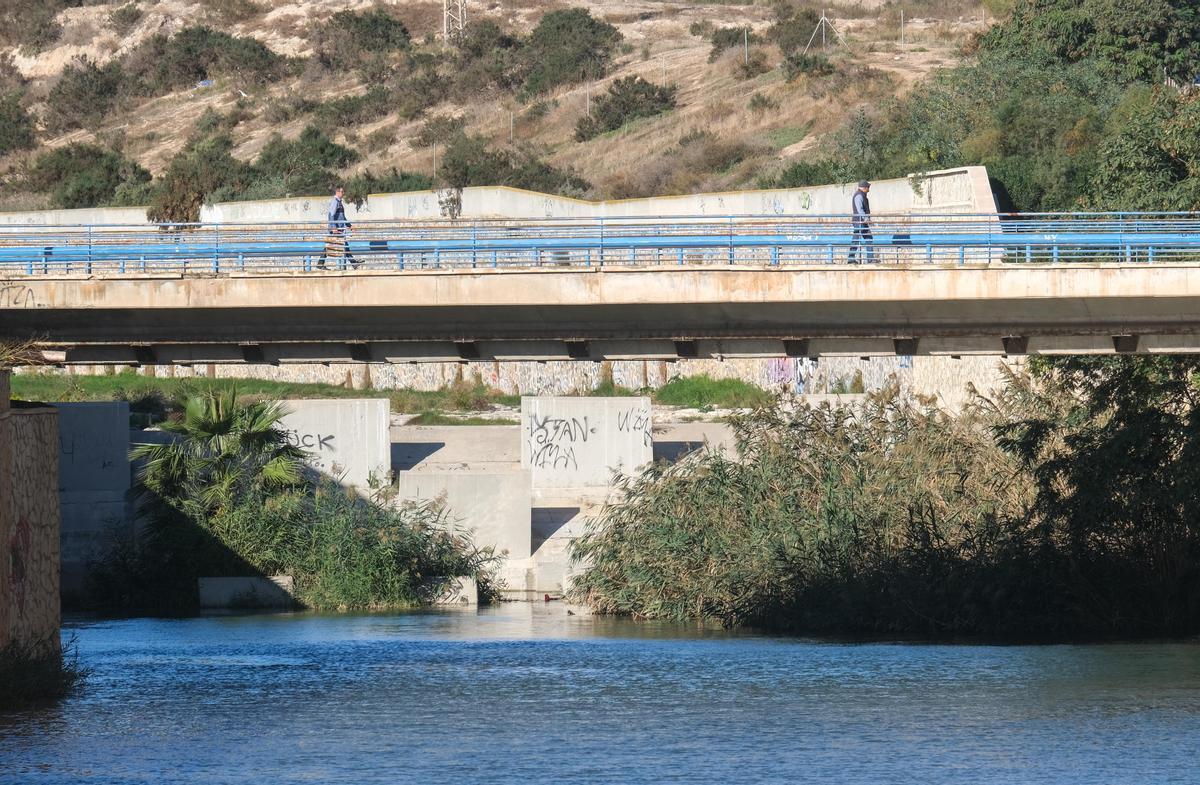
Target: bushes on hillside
{"x":349,"y":36}
{"x":83,"y":175}
{"x":32,"y":26}
{"x":306,"y":164}
{"x":84,"y":93}
{"x":469,"y":161}
{"x":163,"y":63}
{"x":729,"y":38}
{"x":626,"y":99}
{"x":16,"y":126}
{"x":568,"y":46}
{"x":797,"y":64}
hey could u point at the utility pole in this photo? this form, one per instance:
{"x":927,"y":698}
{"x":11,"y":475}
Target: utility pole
{"x":746,"y":45}
{"x":587,"y":98}
{"x":822,"y":24}
{"x":454,"y":19}
{"x":511,"y":126}
{"x":902,"y":26}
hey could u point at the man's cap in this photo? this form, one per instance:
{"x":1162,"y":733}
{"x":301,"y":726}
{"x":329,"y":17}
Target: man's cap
{"x":864,"y":184}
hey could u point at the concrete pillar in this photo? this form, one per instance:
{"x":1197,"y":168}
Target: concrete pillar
{"x":5,"y":388}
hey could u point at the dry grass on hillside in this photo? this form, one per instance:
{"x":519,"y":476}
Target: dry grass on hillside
{"x":712,"y":140}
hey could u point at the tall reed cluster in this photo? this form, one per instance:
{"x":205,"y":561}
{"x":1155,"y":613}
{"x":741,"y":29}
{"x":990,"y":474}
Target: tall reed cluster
{"x":1066,"y":507}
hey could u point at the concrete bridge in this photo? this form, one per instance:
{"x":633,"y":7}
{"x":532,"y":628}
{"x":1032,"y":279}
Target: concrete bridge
{"x":665,"y":288}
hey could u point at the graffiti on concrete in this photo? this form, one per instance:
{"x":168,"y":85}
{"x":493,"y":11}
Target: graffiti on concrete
{"x":313,"y":442}
{"x":553,"y":440}
{"x":636,"y":421}
{"x":17,"y":296}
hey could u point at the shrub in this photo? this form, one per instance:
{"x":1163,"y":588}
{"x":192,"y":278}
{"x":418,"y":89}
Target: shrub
{"x":804,"y":173}
{"x":32,"y":26}
{"x":568,"y":46}
{"x":31,"y":675}
{"x":288,"y":107}
{"x":83,"y":94}
{"x":16,"y":126}
{"x":350,"y":110}
{"x":162,"y":64}
{"x":123,"y":18}
{"x":469,"y":161}
{"x":701,"y":28}
{"x":627,"y":99}
{"x":762,"y":103}
{"x":307,"y":163}
{"x":810,"y":65}
{"x":438,"y":130}
{"x":794,"y":32}
{"x":393,"y":181}
{"x":487,"y":58}
{"x":728,"y":38}
{"x":83,"y":175}
{"x":351,"y":36}
{"x":226,"y":12}
{"x":755,"y":64}
{"x":212,"y":121}
{"x":698,"y":392}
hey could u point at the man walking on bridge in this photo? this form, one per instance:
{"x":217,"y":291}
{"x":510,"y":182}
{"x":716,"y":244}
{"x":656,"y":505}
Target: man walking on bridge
{"x":860,"y":205}
{"x":336,"y":243}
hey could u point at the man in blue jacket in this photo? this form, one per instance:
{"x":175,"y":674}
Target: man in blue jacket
{"x":860,"y":205}
{"x":335,"y":243}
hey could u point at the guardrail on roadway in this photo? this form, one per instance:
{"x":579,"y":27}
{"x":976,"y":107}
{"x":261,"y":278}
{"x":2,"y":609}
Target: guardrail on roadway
{"x":206,"y":249}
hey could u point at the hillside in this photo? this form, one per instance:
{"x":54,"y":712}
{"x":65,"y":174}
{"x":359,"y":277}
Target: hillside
{"x":126,"y":91}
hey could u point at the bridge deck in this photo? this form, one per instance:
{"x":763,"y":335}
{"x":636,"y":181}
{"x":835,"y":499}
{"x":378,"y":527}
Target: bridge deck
{"x":608,"y":290}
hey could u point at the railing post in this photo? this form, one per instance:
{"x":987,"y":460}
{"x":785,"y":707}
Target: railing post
{"x":681,"y":257}
{"x":89,"y":252}
{"x":216,"y":265}
{"x":731,"y":239}
{"x":774,"y":255}
{"x":829,"y":250}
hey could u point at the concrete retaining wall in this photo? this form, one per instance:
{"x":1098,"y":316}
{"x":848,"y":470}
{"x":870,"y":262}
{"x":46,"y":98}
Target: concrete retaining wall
{"x":346,"y":438}
{"x":247,"y":592}
{"x":581,"y":442}
{"x":93,"y":479}
{"x":964,"y":190}
{"x":29,"y":518}
{"x":492,"y":506}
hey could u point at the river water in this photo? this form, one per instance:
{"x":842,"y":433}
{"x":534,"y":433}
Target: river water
{"x":528,"y":693}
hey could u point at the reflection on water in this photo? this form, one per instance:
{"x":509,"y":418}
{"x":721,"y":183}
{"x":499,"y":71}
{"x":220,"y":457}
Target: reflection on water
{"x":527,"y":693}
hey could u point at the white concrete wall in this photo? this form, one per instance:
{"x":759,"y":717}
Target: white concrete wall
{"x":87,"y":216}
{"x":346,"y":438}
{"x":94,"y":479}
{"x":964,"y":190}
{"x":492,"y":506}
{"x":569,"y":442}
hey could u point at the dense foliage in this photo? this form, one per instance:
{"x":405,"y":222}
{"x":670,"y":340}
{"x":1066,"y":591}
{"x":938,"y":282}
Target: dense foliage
{"x":1063,"y":103}
{"x":469,"y":160}
{"x":229,"y":496}
{"x":81,"y":175}
{"x":626,"y":99}
{"x":1068,"y":507}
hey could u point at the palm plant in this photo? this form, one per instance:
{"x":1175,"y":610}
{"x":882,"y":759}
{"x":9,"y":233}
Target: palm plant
{"x":223,"y":450}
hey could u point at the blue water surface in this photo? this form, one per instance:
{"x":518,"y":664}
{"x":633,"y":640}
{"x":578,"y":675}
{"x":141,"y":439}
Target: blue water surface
{"x":527,"y":693}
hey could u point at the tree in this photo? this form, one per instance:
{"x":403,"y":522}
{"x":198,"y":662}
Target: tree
{"x":223,"y":451}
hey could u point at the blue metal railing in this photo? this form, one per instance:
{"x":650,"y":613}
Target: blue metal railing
{"x":603,"y":242}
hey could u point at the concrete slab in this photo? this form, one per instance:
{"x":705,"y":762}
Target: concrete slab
{"x":580,"y":442}
{"x":347,"y":438}
{"x":492,"y":506}
{"x":455,"y":447}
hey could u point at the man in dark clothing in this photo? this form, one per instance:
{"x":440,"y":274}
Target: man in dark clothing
{"x":861,"y":207}
{"x":336,"y":244}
